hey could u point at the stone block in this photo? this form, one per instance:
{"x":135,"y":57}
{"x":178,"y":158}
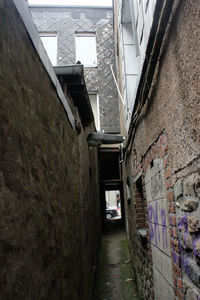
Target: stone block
{"x":178,"y":189}
{"x":190,"y":292}
{"x":158,"y":187}
{"x":193,"y":224}
{"x":193,"y":271}
{"x":148,"y":175}
{"x":157,"y":258}
{"x":159,"y":237}
{"x":190,"y":185}
{"x":165,"y":289}
{"x":156,"y":280}
{"x":152,"y":171}
{"x":159,"y":212}
{"x":148,"y":192}
{"x":189,"y":204}
{"x":167,"y":268}
{"x":186,"y":241}
{"x":170,"y":293}
{"x":197,"y":186}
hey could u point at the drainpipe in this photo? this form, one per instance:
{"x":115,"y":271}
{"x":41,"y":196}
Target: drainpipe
{"x":134,"y":27}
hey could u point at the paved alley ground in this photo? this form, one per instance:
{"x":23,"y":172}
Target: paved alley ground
{"x":114,"y":280}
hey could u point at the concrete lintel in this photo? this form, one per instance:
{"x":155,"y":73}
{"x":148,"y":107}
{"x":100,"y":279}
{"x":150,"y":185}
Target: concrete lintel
{"x":69,"y":70}
{"x":137,"y":176}
{"x":22,"y":8}
{"x":97,"y":138}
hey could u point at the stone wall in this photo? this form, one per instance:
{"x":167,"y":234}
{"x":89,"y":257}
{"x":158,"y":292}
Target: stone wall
{"x":48,"y":180}
{"x":166,"y":154}
{"x":65,"y":21}
{"x":137,"y":228}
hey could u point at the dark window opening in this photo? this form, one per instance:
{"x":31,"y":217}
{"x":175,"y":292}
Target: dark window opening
{"x":139,"y":204}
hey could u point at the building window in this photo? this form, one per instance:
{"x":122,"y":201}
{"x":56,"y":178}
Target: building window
{"x":94,"y":100}
{"x":49,"y":40}
{"x":86,"y":49}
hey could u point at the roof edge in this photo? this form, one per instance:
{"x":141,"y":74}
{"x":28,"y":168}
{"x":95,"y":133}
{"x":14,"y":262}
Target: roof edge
{"x":67,"y":6}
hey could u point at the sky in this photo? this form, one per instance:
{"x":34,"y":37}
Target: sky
{"x":73,"y":2}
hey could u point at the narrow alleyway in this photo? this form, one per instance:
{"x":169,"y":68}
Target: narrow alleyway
{"x":114,"y":279}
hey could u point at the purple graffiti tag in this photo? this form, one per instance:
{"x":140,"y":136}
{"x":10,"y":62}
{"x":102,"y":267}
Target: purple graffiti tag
{"x":183,"y":224}
{"x":196,"y":247}
{"x":186,"y":258}
{"x":156,"y":227}
{"x":164,"y":228}
{"x":175,"y":255}
{"x":154,"y":224}
{"x":150,"y":216}
{"x":186,"y":266}
{"x":181,"y":252}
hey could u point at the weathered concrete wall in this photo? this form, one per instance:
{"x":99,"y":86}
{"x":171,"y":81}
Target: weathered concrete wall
{"x":65,"y":21}
{"x":173,"y":206}
{"x":48,"y":180}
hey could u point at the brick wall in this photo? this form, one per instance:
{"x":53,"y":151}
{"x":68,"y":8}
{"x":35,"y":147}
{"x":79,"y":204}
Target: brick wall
{"x":47,"y":247}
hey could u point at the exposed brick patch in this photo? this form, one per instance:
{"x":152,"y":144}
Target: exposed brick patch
{"x":180,"y":286}
{"x":140,"y":205}
{"x":172,"y":220}
{"x":175,"y":281}
{"x":170,"y":196}
{"x":167,"y":173}
{"x":175,"y":233}
{"x":169,"y":184}
{"x":176,"y":270}
{"x":178,"y":294}
{"x":139,"y":210}
{"x":172,"y":208}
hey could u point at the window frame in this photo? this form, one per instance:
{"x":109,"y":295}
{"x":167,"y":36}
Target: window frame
{"x":50,"y":34}
{"x":86,"y":34}
{"x":98,"y":128}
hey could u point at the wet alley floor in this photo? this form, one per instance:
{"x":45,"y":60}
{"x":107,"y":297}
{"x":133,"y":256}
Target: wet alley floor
{"x":114,"y":279}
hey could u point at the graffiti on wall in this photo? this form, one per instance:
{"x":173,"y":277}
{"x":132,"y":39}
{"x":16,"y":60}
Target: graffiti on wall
{"x":156,"y":185}
{"x":192,"y":245}
{"x":155,"y":227}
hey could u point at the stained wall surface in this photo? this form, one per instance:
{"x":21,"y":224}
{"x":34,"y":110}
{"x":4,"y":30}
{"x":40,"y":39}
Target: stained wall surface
{"x":48,"y":180}
{"x":168,"y":135}
{"x":66,"y":21}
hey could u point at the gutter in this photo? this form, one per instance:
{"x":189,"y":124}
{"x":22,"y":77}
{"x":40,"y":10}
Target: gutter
{"x":166,"y":10}
{"x":72,"y":76}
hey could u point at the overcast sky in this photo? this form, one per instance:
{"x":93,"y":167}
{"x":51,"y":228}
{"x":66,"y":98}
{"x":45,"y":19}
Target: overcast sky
{"x":73,"y":2}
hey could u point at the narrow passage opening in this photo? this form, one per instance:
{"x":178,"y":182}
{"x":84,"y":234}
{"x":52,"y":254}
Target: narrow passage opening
{"x":113,"y":205}
{"x":114,"y":278}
